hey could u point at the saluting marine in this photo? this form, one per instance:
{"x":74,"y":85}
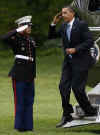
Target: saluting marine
{"x":23,"y":72}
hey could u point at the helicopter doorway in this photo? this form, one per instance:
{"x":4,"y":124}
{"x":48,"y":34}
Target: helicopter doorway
{"x":94,"y":5}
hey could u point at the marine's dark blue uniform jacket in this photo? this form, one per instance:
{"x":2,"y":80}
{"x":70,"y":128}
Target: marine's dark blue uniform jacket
{"x":22,"y":70}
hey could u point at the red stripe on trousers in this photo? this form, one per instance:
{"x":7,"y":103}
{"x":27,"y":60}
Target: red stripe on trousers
{"x":15,"y":97}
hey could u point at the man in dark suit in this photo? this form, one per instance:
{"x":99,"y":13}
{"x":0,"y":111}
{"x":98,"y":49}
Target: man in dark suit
{"x":23,"y":72}
{"x":77,"y":41}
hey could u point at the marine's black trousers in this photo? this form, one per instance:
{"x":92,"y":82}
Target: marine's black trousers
{"x":75,"y":79}
{"x":23,"y":99}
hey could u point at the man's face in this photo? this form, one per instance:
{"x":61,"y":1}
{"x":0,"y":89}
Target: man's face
{"x":28,"y":30}
{"x":67,"y":15}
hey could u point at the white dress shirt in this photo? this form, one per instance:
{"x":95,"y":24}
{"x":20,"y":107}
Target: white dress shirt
{"x":71,"y":23}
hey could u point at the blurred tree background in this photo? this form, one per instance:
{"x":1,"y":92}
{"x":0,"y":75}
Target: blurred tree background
{"x":42,"y":12}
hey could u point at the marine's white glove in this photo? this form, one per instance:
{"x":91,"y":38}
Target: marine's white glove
{"x":53,"y":24}
{"x":22,"y":28}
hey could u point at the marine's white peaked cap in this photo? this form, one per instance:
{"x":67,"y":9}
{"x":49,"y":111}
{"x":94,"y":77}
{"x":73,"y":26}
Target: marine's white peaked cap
{"x":22,"y":20}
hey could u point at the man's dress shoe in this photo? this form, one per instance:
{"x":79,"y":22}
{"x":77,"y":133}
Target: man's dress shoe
{"x":92,"y":113}
{"x":64,"y":120}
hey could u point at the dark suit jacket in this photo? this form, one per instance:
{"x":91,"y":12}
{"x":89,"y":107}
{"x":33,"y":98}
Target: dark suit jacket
{"x":81,"y":39}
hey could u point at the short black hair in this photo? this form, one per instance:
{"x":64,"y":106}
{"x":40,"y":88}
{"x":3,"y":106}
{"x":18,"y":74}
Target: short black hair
{"x":73,"y":10}
{"x":70,"y":8}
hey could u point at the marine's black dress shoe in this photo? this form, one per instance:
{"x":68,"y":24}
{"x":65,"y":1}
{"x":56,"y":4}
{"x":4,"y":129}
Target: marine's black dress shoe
{"x":24,"y":130}
{"x":64,"y":120}
{"x":20,"y":130}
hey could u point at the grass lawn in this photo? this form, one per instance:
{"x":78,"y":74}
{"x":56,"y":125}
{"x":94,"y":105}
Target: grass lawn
{"x":47,"y":106}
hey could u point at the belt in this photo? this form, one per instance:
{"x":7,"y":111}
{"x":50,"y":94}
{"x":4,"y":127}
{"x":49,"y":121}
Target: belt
{"x":24,"y":57}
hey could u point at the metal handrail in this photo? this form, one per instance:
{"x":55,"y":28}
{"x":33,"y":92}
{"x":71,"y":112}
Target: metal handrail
{"x":94,"y":28}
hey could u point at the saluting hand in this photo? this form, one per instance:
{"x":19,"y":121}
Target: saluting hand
{"x":22,"y":28}
{"x":57,"y":18}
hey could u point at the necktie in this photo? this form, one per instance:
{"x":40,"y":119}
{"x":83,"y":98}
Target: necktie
{"x":68,"y":30}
